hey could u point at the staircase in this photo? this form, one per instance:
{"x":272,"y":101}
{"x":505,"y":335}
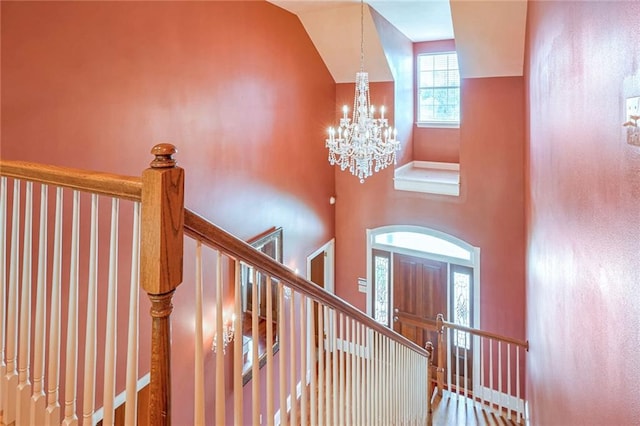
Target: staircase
{"x":265,"y":345}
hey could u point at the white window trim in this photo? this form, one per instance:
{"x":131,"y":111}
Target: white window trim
{"x":437,"y":124}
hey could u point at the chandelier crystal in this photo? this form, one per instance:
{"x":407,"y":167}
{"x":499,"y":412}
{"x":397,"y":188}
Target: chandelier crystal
{"x":363,"y":143}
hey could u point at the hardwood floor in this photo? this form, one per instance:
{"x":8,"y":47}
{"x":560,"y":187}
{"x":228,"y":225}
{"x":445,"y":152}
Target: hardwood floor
{"x":450,"y":410}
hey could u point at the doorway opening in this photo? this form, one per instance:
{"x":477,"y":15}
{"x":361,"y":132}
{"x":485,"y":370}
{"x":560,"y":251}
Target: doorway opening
{"x":320,"y":271}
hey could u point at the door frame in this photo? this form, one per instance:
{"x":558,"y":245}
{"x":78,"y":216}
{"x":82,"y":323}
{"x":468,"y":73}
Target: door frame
{"x":329,"y":248}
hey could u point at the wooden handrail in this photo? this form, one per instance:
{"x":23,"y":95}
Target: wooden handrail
{"x":215,"y":237}
{"x":112,"y":185}
{"x":430,"y":324}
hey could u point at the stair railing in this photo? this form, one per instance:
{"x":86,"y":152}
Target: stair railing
{"x":71,"y":331}
{"x":333,"y":365}
{"x":482,"y":367}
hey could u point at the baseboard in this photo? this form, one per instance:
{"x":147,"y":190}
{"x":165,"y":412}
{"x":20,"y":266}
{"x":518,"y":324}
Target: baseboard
{"x":121,"y":398}
{"x":276,"y":416}
{"x":504,"y":400}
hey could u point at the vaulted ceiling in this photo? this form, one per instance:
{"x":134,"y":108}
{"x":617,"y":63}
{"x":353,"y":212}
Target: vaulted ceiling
{"x":489,"y":35}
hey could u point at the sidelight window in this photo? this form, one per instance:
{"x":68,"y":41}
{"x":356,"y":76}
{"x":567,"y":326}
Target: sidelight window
{"x":381,"y":278}
{"x":461,"y":279}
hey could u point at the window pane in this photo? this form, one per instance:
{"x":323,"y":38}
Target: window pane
{"x":440,"y":72}
{"x":381,"y":290}
{"x":425,"y":62}
{"x":426,"y":79}
{"x":423,"y":242}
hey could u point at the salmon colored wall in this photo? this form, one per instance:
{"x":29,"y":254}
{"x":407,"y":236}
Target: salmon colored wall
{"x":488,"y":214}
{"x":237,"y":86}
{"x":433,"y":143}
{"x":583,"y":312}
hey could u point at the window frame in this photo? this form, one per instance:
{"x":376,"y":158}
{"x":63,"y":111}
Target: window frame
{"x":437,"y":123}
{"x":386,"y":255}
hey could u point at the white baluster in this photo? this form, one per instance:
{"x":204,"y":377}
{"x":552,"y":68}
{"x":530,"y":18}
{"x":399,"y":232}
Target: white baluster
{"x":456,"y":334}
{"x":37,"y":407}
{"x":346,"y":347}
{"x":375,"y":383}
{"x":238,"y":348}
{"x":269,"y":349}
{"x":482,"y":399}
{"x":255,"y":358}
{"x":199,"y":410}
{"x":112,"y":312}
{"x":220,"y":328}
{"x":11,"y":378}
{"x":358,"y":377}
{"x":341,"y":367}
{"x":387,"y":381}
{"x":90,"y":333}
{"x":292,"y":360}
{"x":281,"y":332}
{"x":490,"y":373}
{"x":131,"y":407}
{"x":3,"y":286}
{"x":24,"y":384}
{"x":403,"y":390}
{"x":313,"y":361}
{"x":499,"y":376}
{"x":520,"y":409}
{"x":447,"y":333}
{"x":509,"y":380}
{"x":70,"y":417}
{"x":354,"y":377}
{"x":466,"y":369}
{"x":334,"y":364}
{"x":327,"y":364}
{"x":303,"y":361}
{"x":52,"y":416}
{"x":369,"y":383}
{"x":320,"y":382}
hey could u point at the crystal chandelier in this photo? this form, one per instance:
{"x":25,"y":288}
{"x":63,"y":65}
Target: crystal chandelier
{"x":362,"y":140}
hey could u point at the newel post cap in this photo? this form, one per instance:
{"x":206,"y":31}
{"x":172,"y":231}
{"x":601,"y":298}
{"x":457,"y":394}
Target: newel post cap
{"x":163,"y":153}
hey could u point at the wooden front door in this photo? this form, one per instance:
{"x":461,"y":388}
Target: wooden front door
{"x":419,"y":289}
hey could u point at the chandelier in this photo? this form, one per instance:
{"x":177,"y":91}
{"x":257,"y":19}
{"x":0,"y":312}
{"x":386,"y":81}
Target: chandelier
{"x":362,"y":143}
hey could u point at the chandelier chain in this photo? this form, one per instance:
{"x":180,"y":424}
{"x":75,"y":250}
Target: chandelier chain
{"x":361,"y":35}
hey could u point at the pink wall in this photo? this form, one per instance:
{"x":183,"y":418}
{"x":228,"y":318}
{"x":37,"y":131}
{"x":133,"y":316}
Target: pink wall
{"x":583,"y":313}
{"x":432,"y":143}
{"x":488,"y":214}
{"x":237,"y":86}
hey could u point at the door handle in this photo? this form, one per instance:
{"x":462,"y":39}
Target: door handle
{"x":395,"y":318}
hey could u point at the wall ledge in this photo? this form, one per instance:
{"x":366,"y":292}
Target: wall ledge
{"x":428,"y":177}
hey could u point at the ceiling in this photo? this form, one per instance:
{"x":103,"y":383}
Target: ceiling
{"x":489,"y":34}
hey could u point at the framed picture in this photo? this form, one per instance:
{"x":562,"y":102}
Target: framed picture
{"x":269,"y":243}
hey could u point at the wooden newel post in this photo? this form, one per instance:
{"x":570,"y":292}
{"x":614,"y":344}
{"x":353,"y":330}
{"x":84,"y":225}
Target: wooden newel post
{"x":161,"y":253}
{"x":441,"y":352}
{"x":429,"y":348}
